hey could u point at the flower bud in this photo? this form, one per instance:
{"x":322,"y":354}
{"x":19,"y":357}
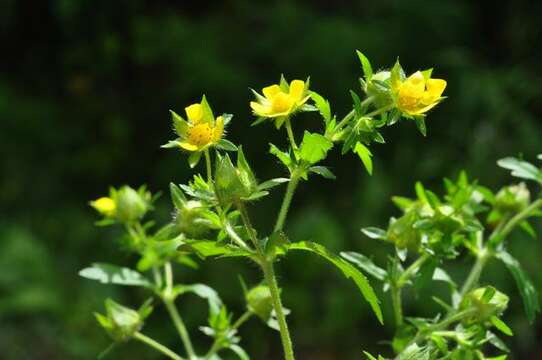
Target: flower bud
{"x":105,"y":206}
{"x":190,"y":220}
{"x":403,"y":234}
{"x":512,"y":198}
{"x":487,"y":301}
{"x":381,"y":95}
{"x":120,"y":322}
{"x":234,"y":183}
{"x":131,"y":204}
{"x":259,"y":301}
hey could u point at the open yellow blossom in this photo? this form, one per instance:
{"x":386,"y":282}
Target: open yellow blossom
{"x":278,"y":102}
{"x":201,"y":130}
{"x":417,"y":95}
{"x":105,"y":206}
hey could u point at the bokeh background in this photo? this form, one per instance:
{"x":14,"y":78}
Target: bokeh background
{"x":85,"y":88}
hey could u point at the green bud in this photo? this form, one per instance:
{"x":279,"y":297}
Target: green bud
{"x":446,"y":219}
{"x":190,"y":220}
{"x":120,"y":322}
{"x":259,"y":301}
{"x":234,"y":183}
{"x":403,"y":234}
{"x":374,"y":89}
{"x":513,"y":198}
{"x":131,"y":204}
{"x":487,"y":301}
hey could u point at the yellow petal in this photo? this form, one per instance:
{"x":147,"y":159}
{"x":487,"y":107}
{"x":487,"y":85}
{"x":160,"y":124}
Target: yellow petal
{"x":194,"y":113}
{"x":414,"y":85}
{"x":297,"y":87}
{"x":219,"y":129}
{"x":259,"y":109}
{"x":105,"y":206}
{"x":187,"y":146}
{"x":282,"y":103}
{"x":435,"y":87}
{"x":270,"y":91}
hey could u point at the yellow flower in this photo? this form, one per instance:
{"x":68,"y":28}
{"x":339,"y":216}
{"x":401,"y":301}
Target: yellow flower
{"x":279,"y":102}
{"x":201,"y":130}
{"x":416,"y":94}
{"x":105,"y":206}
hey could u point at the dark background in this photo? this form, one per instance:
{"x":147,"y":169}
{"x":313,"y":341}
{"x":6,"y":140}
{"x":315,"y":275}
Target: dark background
{"x":85,"y":88}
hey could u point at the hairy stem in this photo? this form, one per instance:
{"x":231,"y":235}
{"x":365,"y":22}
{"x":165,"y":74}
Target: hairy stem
{"x":288,"y":127}
{"x":167,"y":298}
{"x":208,"y":166}
{"x":157,"y":346}
{"x":271,"y":281}
{"x":281,"y":218}
{"x":397,"y":305}
{"x":475,"y":272}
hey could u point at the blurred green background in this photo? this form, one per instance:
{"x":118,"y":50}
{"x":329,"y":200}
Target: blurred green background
{"x":85,"y":88}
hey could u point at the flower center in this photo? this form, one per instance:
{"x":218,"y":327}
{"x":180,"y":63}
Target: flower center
{"x":201,"y":134}
{"x":281,"y":103}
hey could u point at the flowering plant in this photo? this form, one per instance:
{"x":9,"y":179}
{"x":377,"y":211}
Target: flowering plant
{"x":211,"y":219}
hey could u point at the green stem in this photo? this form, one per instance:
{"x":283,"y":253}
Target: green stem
{"x":241,"y":320}
{"x":167,"y":298}
{"x":380,"y":111}
{"x":292,"y":185}
{"x":270,"y":279}
{"x":397,"y":305}
{"x":351,"y":114}
{"x":208,"y":166}
{"x":411,"y":270}
{"x":288,"y":126}
{"x":476,"y":271}
{"x":181,"y":328}
{"x":514,"y":221}
{"x":157,"y":346}
{"x":235,"y":237}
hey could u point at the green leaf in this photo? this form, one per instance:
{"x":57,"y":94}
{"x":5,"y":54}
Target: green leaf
{"x":194,"y":158}
{"x":206,"y":108}
{"x":204,"y":292}
{"x":365,"y":264}
{"x":366,"y":65}
{"x":348,"y":271}
{"x":179,"y":123}
{"x":322,"y":171}
{"x":206,"y":248}
{"x":314,"y":147}
{"x":521,"y":169}
{"x":365,"y":155}
{"x":177,"y":196}
{"x":112,"y":274}
{"x":501,"y":326}
{"x":524,"y":284}
{"x":375,"y":233}
{"x":322,"y":105}
{"x":226,"y":145}
{"x":281,"y":155}
{"x":357,"y":103}
{"x":272,"y":183}
{"x":239,"y":352}
{"x":420,"y":124}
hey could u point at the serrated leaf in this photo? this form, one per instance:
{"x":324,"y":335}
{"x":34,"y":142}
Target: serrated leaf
{"x":525,"y":286}
{"x":366,"y":65}
{"x":357,"y":103}
{"x":177,"y":196}
{"x":365,"y":155}
{"x":113,"y":274}
{"x":281,"y":155}
{"x":365,"y":264}
{"x":348,"y":271}
{"x":322,"y":105}
{"x":314,"y":147}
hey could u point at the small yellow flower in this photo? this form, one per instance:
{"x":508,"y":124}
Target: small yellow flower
{"x":417,"y":95}
{"x":277,"y":102}
{"x":105,"y":206}
{"x":201,"y":130}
